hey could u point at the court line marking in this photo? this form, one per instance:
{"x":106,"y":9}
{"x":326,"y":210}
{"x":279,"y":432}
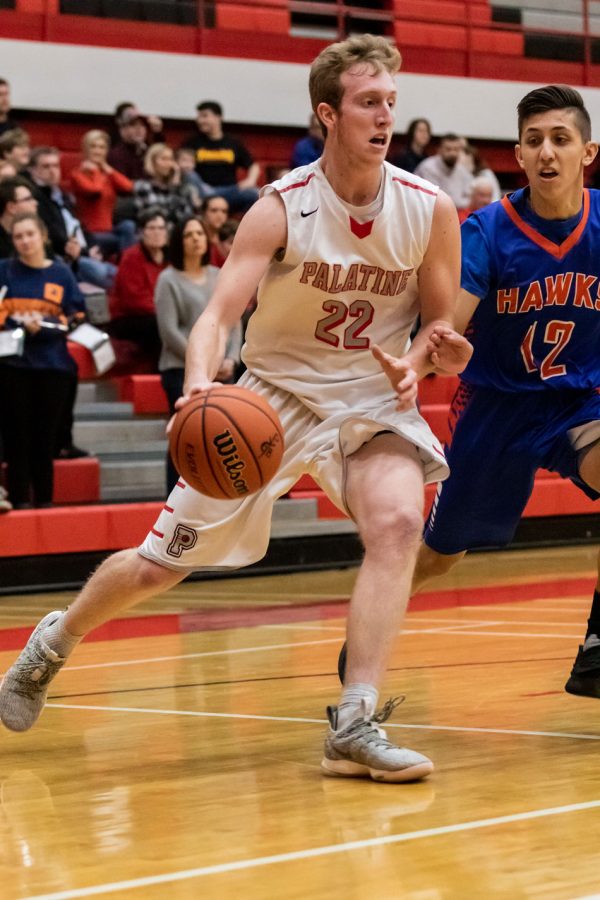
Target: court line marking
{"x":303,"y":721}
{"x":314,"y":852}
{"x":156,"y":659}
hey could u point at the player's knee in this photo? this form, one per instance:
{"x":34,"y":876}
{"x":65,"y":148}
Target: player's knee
{"x":146,"y":575}
{"x":396,"y":530}
{"x":589,"y":466}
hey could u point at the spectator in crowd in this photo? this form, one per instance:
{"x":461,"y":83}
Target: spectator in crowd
{"x":478,"y":168}
{"x":133,"y":316}
{"x":7,"y":170}
{"x":186,"y":160}
{"x":15,"y":148}
{"x":418,"y":138}
{"x":310,"y":147}
{"x":16,"y":196}
{"x":215,"y":212}
{"x":96,"y":186}
{"x":129,"y":151}
{"x":445,"y":170}
{"x":6,"y":122}
{"x":182,"y":294}
{"x":219,"y":156}
{"x":163,"y":187}
{"x":482,"y":194}
{"x":42,"y":298}
{"x":56,"y":209}
{"x":227,"y":233}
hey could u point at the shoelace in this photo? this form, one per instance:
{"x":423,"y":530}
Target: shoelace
{"x":370,"y":727}
{"x":45,"y":665}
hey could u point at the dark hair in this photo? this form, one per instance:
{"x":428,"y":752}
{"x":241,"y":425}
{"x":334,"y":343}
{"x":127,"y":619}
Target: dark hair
{"x":207,"y":200}
{"x":555,"y":96}
{"x":176,"y":255}
{"x":4,"y":81}
{"x":212,"y":106}
{"x":38,"y":152}
{"x":412,"y":127}
{"x":120,"y":109}
{"x":449,"y":136}
{"x":228,"y":229}
{"x":8,"y":189}
{"x":148,"y":215}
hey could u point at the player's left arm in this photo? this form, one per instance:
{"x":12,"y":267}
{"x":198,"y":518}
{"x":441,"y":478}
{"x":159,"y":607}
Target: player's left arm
{"x":436,"y":346}
{"x":439,"y":345}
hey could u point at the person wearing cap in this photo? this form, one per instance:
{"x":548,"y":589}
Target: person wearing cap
{"x":219,"y":157}
{"x":136,"y":131}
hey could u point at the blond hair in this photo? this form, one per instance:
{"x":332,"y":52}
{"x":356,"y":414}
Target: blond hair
{"x":94,"y":135}
{"x":324,"y":82}
{"x":150,"y":158}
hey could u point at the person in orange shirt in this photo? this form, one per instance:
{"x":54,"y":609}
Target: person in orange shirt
{"x":96,"y":186}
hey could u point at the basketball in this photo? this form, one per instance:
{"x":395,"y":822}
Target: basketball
{"x":227,"y":442}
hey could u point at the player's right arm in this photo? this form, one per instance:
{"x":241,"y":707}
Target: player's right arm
{"x":262,"y":234}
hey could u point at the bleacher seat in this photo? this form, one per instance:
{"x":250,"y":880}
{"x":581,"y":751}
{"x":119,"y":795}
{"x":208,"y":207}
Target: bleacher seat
{"x":234,"y":17}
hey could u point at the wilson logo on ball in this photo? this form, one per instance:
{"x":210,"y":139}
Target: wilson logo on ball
{"x":231,"y":461}
{"x":269,"y":446}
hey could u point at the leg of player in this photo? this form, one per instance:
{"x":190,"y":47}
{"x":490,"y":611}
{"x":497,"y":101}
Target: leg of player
{"x":430,"y":564}
{"x":124,"y":579}
{"x":584,"y":679}
{"x":384,"y":491}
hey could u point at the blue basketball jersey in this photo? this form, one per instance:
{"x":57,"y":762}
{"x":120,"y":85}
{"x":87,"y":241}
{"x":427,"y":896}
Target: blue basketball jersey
{"x":537,"y":325}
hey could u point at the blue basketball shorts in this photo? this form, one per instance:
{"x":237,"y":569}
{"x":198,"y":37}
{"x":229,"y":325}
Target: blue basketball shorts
{"x":499,"y":441}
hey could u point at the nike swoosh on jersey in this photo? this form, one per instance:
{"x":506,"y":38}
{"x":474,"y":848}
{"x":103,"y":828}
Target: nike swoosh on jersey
{"x":305,"y":214}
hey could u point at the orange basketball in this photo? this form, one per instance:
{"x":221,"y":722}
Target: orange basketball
{"x":227,"y":442}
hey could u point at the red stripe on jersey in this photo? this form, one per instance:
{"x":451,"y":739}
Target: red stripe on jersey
{"x":361,"y":229}
{"x":298,"y":184}
{"x":180,"y":484}
{"x":558,"y":251}
{"x":157,"y":533}
{"x":168,"y":508}
{"x":417,"y":187}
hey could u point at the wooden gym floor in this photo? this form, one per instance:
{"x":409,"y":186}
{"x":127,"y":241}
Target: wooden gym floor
{"x":179,"y":754}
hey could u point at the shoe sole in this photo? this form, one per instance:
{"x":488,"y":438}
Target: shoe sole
{"x":580,"y":688}
{"x":344,"y":768}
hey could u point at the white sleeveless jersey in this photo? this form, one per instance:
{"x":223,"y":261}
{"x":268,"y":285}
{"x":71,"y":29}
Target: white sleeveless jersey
{"x":340,"y":287}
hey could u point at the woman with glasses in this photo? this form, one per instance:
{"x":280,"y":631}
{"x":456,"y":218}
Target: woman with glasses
{"x":133,"y":316}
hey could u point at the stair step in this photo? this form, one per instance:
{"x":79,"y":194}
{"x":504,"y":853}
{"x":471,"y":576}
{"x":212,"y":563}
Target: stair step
{"x":97,"y":391}
{"x":104,"y":410}
{"x":119,"y":436}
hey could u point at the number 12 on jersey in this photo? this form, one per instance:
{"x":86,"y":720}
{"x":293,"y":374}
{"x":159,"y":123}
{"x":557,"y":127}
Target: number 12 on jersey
{"x":360,"y":312}
{"x":558,"y":334}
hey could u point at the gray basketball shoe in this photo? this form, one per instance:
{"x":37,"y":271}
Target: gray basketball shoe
{"x":362,"y":749}
{"x":25,"y":686}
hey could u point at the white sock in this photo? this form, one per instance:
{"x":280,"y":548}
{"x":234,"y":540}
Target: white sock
{"x":59,"y":639}
{"x":592,"y":640}
{"x":357,"y":701}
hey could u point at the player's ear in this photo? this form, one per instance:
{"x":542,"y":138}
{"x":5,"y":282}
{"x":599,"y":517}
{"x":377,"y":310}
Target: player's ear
{"x":519,"y":156}
{"x":590,"y":152}
{"x":326,"y":114}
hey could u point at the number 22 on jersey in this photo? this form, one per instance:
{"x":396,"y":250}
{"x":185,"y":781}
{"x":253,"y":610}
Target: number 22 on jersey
{"x":356,"y":317}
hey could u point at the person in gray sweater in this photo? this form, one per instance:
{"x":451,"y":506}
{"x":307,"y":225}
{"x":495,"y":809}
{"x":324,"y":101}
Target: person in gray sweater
{"x":182,"y":293}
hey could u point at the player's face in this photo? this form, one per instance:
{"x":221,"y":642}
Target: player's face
{"x":553,"y":154}
{"x":364,"y":122}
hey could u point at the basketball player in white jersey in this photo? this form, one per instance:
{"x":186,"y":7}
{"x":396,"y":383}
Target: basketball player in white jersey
{"x":346,"y":252}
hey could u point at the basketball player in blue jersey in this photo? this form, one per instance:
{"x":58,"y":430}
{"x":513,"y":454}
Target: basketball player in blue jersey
{"x":530,"y":305}
{"x":346,"y":251}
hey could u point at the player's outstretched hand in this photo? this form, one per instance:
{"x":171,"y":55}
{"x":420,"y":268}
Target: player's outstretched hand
{"x":448,"y":350}
{"x":401,"y":376}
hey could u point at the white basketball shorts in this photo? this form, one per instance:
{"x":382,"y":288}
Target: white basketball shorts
{"x":194,"y":532}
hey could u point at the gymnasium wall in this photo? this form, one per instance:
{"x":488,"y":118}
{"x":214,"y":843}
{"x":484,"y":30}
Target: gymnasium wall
{"x":71,"y":78}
